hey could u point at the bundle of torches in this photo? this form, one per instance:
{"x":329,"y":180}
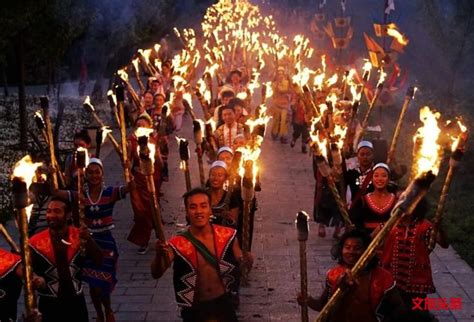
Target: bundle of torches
{"x":236,"y":34}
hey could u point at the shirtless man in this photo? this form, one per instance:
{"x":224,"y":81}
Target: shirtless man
{"x":206,"y":263}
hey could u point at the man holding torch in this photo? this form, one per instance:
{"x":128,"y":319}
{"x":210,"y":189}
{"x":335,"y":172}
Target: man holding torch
{"x":206,"y":263}
{"x":372,"y":298}
{"x":57,"y":249}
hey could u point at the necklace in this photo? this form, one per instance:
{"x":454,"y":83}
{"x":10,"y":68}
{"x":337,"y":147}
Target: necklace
{"x":94,"y":206}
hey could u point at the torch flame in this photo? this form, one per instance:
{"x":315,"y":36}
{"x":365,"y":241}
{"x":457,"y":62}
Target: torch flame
{"x":135,"y":63}
{"x":382,"y":77}
{"x":157,"y":48}
{"x":143,"y":131}
{"x":367,"y":68}
{"x":428,"y":158}
{"x":105,"y":130}
{"x":110,"y":93}
{"x":87,"y":101}
{"x":331,"y":81}
{"x":392,"y":31}
{"x":25,"y":169}
{"x":122,"y":74}
{"x":86,"y":153}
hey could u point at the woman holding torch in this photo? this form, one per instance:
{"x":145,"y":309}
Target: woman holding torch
{"x":140,"y":197}
{"x":99,"y":202}
{"x":374,"y":208}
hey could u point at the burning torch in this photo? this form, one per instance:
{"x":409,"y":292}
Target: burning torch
{"x":48,"y":130}
{"x":456,"y":156}
{"x":22,"y":177}
{"x":91,"y":109}
{"x":248,"y":193}
{"x":119,"y":90}
{"x":202,"y":101}
{"x":408,"y":98}
{"x":184,"y":156}
{"x":377,"y":93}
{"x":147,"y":155}
{"x":113,"y":105}
{"x":302,"y":230}
{"x":81,"y":163}
{"x":197,"y":129}
{"x":408,"y":201}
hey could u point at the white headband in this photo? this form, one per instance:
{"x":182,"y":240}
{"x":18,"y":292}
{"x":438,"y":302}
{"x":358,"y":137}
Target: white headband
{"x":95,"y":161}
{"x":225,"y":149}
{"x":381,"y":165}
{"x":221,"y":164}
{"x":365,"y":144}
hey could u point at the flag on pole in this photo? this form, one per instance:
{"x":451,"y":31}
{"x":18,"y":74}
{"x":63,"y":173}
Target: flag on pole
{"x":390,"y":6}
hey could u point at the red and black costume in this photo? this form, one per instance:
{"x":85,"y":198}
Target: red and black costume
{"x":141,"y":199}
{"x":366,"y":215}
{"x":371,"y":299}
{"x":60,"y":266}
{"x":407,"y":257}
{"x":10,"y":285}
{"x":185,"y":271}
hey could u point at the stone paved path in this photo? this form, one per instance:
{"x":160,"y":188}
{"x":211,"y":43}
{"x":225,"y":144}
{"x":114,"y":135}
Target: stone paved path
{"x":288,"y":185}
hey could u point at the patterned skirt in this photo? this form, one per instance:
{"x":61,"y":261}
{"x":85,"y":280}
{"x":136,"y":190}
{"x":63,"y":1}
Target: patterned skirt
{"x":104,"y":275}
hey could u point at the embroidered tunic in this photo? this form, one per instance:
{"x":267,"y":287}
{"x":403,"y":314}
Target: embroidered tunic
{"x":61,"y":269}
{"x":45,"y":265}
{"x":367,"y":215}
{"x":363,"y":302}
{"x":10,"y":285}
{"x":100,"y":223}
{"x":185,"y":264}
{"x":407,"y":257}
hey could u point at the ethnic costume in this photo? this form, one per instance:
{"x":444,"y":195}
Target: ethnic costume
{"x":365,"y":214}
{"x":371,"y":299}
{"x":10,"y":285}
{"x":225,"y":136}
{"x":358,"y":184}
{"x":325,"y":209}
{"x":185,"y":272}
{"x":141,"y":199}
{"x":100,"y":223}
{"x":60,"y":266}
{"x":407,"y":257}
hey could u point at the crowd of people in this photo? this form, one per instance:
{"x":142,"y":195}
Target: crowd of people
{"x":207,"y":256}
